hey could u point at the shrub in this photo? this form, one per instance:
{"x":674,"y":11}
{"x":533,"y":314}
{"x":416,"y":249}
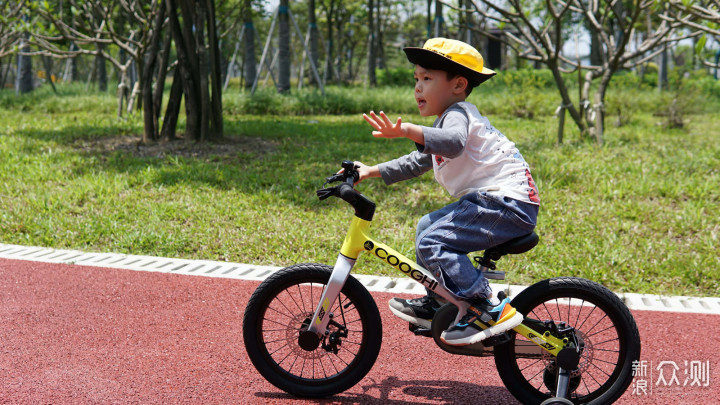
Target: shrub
{"x":395,"y":77}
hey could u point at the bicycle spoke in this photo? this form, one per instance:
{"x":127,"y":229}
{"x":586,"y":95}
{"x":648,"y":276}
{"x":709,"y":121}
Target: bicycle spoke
{"x":292,"y":297}
{"x":579,"y":312}
{"x":607,"y":341}
{"x":607,"y":362}
{"x":579,"y":327}
{"x":596,"y":323}
{"x":606,"y":350}
{"x":557,"y":306}
{"x":530,"y":365}
{"x":601,"y":331}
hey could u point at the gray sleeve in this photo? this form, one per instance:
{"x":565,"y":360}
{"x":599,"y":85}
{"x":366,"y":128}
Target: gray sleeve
{"x":448,"y":136}
{"x":406,"y":167}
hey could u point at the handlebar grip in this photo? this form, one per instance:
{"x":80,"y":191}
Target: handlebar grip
{"x":350,"y":172}
{"x":347,"y":193}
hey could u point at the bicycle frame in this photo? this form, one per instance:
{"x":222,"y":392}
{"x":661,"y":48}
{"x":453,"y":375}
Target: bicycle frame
{"x":358,"y":240}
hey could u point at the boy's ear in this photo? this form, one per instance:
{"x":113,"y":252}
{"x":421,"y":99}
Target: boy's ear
{"x":461,"y":84}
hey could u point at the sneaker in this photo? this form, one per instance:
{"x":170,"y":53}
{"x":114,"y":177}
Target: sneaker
{"x":482,"y":321}
{"x":417,"y":311}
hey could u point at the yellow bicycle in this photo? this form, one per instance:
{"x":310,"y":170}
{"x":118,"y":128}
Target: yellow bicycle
{"x":313,"y":330}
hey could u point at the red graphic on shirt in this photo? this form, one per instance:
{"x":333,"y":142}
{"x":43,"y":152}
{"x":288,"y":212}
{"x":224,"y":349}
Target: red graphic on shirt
{"x":439,"y":160}
{"x":533,"y":194}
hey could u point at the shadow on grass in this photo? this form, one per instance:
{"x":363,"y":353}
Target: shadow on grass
{"x":287,"y":158}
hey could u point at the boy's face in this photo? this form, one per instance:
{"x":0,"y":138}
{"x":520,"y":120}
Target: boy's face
{"x":434,"y":93}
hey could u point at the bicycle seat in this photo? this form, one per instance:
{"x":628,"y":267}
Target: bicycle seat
{"x":514,"y":246}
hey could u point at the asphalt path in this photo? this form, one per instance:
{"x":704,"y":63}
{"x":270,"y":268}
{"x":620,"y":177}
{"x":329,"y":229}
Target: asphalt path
{"x":74,"y":334}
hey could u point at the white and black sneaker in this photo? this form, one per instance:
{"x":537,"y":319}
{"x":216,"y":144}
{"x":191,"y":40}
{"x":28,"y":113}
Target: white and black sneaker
{"x":417,"y":311}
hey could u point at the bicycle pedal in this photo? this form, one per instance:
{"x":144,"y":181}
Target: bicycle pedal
{"x":496,"y":340}
{"x":418,"y":331}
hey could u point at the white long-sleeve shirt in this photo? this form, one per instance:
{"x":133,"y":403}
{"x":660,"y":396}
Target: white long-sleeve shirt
{"x":467,"y":154}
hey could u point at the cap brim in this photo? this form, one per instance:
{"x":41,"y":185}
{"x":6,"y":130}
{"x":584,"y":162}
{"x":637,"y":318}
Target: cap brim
{"x":431,"y":60}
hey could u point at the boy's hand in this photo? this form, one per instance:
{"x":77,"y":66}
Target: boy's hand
{"x":384,"y":128}
{"x":364,"y":171}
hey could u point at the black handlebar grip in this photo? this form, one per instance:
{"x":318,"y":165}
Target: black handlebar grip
{"x":347,"y":193}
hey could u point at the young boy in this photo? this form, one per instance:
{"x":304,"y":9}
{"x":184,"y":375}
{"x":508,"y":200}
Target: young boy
{"x":478,"y":165}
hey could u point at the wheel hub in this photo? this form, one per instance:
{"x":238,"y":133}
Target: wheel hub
{"x":308,"y":340}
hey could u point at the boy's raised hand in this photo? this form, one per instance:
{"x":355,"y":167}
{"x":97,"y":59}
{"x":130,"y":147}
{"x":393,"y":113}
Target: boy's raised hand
{"x":384,"y":128}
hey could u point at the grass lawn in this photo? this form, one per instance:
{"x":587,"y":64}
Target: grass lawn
{"x":637,"y":214}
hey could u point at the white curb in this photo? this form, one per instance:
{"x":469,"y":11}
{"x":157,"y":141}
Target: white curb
{"x":209,"y":268}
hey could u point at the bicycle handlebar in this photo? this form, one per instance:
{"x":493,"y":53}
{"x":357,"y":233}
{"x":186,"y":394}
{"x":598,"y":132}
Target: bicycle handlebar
{"x":364,"y":208}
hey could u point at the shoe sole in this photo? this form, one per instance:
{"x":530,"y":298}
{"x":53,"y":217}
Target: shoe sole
{"x":486,"y":333}
{"x":423,"y":323}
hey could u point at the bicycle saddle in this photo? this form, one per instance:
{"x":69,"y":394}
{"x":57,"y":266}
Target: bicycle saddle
{"x":513,"y":246}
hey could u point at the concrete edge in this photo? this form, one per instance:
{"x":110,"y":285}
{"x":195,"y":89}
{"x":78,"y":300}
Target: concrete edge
{"x":240,"y":271}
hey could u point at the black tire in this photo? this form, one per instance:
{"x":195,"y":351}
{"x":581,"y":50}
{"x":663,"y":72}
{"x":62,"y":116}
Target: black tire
{"x":280,"y":307}
{"x":601,"y":319}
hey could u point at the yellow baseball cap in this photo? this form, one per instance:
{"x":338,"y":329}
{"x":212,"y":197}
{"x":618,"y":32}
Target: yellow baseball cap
{"x":450,"y":55}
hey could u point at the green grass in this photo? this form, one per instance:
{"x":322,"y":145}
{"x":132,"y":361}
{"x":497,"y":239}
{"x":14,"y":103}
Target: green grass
{"x":637,"y":214}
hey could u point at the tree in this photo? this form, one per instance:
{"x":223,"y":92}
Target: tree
{"x":314,"y":34}
{"x":135,"y":27}
{"x":10,"y":28}
{"x":283,"y":84}
{"x":539,"y":34}
{"x":372,"y":80}
{"x":699,"y":16}
{"x":98,"y":26}
{"x":249,"y":38}
{"x":203,"y":97}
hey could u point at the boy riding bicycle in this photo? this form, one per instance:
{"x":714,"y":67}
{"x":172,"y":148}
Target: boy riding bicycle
{"x":497,"y":197}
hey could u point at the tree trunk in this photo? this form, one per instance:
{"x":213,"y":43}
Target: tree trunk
{"x":663,"y":70}
{"x":24,"y":69}
{"x":439,"y":20}
{"x":284,"y":47}
{"x":371,"y":44}
{"x":47,"y":61}
{"x":312,"y":25}
{"x":565,"y":95}
{"x":162,"y":73}
{"x":101,"y":70}
{"x":215,"y":73}
{"x":596,"y":51}
{"x":172,"y":111}
{"x":187,"y":60}
{"x":429,"y":19}
{"x":599,"y":106}
{"x":380,"y":38}
{"x":249,"y":58}
{"x":329,"y":72}
{"x":3,"y":74}
{"x":151,"y":130}
{"x":74,"y":74}
{"x":200,"y":18}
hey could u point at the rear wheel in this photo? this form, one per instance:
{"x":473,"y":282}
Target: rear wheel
{"x":604,"y":328}
{"x":280,"y":310}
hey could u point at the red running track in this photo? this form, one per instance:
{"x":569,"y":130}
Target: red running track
{"x":76,"y":335}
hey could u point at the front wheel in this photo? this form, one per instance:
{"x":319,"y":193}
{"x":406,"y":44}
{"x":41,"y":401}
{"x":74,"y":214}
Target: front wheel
{"x":601,"y":323}
{"x":282,"y":307}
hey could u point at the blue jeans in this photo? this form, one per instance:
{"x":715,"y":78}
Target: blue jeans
{"x":477,"y":221}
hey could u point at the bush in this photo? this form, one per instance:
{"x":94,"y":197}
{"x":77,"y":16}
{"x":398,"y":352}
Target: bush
{"x":395,"y":77}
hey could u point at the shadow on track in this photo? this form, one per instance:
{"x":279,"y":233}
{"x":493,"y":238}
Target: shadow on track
{"x":393,"y":390}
